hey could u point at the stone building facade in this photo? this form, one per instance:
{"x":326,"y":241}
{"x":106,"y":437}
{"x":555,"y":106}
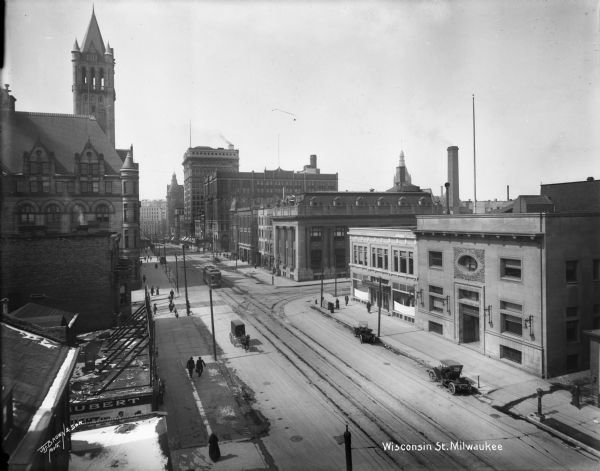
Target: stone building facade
{"x":153,"y":219}
{"x":518,"y":287}
{"x":174,"y":208}
{"x":198,"y":163}
{"x":310,"y":234}
{"x":383,"y":269}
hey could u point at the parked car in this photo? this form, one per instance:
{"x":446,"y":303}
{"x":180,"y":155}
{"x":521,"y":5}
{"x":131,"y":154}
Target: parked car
{"x":449,"y":374}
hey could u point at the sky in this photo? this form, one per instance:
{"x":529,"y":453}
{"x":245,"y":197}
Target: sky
{"x":354,"y":82}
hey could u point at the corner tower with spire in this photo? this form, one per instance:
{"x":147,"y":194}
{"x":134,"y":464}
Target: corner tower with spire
{"x":94,"y":79}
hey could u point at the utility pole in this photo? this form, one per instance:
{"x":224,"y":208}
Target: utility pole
{"x":379,"y":313}
{"x":187,"y":302}
{"x":212,"y":319}
{"x":176,"y":275}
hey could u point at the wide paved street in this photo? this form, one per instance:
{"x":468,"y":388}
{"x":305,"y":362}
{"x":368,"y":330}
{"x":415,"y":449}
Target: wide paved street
{"x":285,"y":403}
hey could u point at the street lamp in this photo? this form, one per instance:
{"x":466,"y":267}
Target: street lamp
{"x":187,"y":301}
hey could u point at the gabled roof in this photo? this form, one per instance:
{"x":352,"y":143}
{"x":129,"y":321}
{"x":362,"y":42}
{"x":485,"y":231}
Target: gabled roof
{"x":92,"y":42}
{"x":63,"y":134}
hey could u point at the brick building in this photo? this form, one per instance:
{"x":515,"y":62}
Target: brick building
{"x":253,"y":190}
{"x":61,"y":172}
{"x":89,"y":268}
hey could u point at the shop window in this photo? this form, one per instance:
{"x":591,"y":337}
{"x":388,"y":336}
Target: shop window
{"x":510,"y":268}
{"x":511,"y":354}
{"x":571,"y":271}
{"x":435,"y":259}
{"x":53,"y":216}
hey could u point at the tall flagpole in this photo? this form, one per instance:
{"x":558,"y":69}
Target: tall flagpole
{"x":474,"y":163}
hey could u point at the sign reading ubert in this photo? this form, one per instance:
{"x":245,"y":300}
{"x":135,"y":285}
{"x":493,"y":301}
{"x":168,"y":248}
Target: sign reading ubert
{"x":98,"y":410}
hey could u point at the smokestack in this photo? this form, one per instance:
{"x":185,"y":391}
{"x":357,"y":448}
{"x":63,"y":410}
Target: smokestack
{"x":454,"y":199}
{"x":507,"y":193}
{"x":313,"y":161}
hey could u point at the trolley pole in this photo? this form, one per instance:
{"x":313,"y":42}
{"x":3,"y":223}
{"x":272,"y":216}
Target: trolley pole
{"x":212,"y":319}
{"x":176,"y":275}
{"x":321,"y":302}
{"x":379,"y":310}
{"x":187,"y":302}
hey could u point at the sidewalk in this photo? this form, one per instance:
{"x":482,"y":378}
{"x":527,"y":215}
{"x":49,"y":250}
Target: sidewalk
{"x":197,"y":406}
{"x":505,"y":387}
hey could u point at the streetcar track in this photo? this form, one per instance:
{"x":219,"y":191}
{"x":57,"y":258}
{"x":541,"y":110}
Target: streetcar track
{"x":368,"y":414}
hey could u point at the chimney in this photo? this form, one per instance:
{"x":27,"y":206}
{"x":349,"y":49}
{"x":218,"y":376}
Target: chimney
{"x":230,"y":146}
{"x":454,"y":198}
{"x":313,"y":161}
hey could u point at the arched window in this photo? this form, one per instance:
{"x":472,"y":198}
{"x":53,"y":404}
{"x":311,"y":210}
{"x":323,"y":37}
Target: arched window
{"x":53,"y":216}
{"x":102,"y":79}
{"x":381,"y":201}
{"x":78,"y":215}
{"x":102,"y":215}
{"x":27,"y":214}
{"x":93,"y":74}
{"x":84,"y":76}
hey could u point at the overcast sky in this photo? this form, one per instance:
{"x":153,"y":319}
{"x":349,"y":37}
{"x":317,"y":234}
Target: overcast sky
{"x":364,"y":79}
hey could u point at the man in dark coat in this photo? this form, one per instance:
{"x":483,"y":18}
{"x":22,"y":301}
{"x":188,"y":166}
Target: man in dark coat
{"x":200,"y":366}
{"x":190,"y":366}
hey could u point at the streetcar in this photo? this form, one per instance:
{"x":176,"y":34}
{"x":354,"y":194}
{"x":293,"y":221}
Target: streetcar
{"x":212,"y":276}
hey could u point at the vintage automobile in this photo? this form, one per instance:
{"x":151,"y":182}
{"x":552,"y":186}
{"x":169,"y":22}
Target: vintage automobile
{"x":238,"y":336}
{"x":364,"y":334}
{"x":448,"y":373}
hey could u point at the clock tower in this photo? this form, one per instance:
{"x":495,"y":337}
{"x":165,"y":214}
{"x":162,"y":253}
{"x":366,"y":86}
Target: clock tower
{"x":94,"y":79}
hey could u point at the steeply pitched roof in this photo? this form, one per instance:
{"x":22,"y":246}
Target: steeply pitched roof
{"x":92,"y":42}
{"x":63,"y":134}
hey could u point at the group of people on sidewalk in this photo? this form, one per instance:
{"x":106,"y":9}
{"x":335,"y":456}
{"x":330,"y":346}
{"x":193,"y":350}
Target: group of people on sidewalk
{"x":198,"y":365}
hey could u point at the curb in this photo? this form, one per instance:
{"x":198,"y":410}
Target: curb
{"x":532,"y":418}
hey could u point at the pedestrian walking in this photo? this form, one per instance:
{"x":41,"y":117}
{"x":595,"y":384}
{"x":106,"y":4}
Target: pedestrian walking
{"x":337,"y":303}
{"x":346,"y":299}
{"x":176,"y":313}
{"x":200,"y":366}
{"x":171,"y":306}
{"x":157,"y":291}
{"x":152,"y":290}
{"x":368,"y":307}
{"x":190,"y":366}
{"x":155,"y":309}
{"x":172,"y":294}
